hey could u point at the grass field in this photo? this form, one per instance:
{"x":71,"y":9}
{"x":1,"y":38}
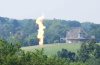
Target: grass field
{"x":51,"y":49}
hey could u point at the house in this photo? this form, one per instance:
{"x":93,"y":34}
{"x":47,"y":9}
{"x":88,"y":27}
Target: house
{"x":77,"y":35}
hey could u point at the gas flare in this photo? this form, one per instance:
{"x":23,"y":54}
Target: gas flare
{"x":40,"y":35}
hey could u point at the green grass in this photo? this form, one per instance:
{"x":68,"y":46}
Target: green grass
{"x":51,"y":49}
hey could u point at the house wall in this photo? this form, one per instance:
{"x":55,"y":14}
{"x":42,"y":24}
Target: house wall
{"x":77,"y":40}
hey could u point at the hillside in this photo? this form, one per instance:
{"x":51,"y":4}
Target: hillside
{"x":25,"y":31}
{"x":51,"y":49}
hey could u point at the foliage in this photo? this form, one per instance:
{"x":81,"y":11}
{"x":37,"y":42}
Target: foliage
{"x":11,"y":54}
{"x":67,"y":54}
{"x":89,"y":50}
{"x":25,"y":31}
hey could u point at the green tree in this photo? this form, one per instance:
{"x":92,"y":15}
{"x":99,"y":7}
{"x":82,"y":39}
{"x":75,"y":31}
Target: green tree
{"x":89,"y":50}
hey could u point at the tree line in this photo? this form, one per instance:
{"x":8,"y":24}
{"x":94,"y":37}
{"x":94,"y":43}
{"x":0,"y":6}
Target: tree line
{"x":25,"y":31}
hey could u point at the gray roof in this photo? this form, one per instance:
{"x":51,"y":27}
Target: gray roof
{"x":77,"y":33}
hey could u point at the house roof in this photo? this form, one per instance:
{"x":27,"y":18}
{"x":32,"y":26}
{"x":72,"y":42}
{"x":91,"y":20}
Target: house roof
{"x":77,"y":33}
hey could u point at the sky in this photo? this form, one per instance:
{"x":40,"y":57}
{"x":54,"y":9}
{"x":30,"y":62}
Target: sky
{"x":80,"y":10}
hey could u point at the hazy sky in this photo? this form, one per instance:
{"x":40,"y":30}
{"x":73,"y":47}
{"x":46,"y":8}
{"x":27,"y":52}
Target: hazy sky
{"x":81,"y":10}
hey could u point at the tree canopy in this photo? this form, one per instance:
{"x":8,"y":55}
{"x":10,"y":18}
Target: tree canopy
{"x":25,"y":31}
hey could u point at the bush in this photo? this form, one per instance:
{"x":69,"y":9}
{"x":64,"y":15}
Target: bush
{"x":67,"y":54}
{"x":12,"y":55}
{"x":89,"y":50}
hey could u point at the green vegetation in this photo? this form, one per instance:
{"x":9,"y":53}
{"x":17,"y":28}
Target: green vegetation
{"x":25,"y":31}
{"x":89,"y":50}
{"x":52,"y":49}
{"x":11,"y":54}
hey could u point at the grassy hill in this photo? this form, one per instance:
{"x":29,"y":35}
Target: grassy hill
{"x":51,"y":49}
